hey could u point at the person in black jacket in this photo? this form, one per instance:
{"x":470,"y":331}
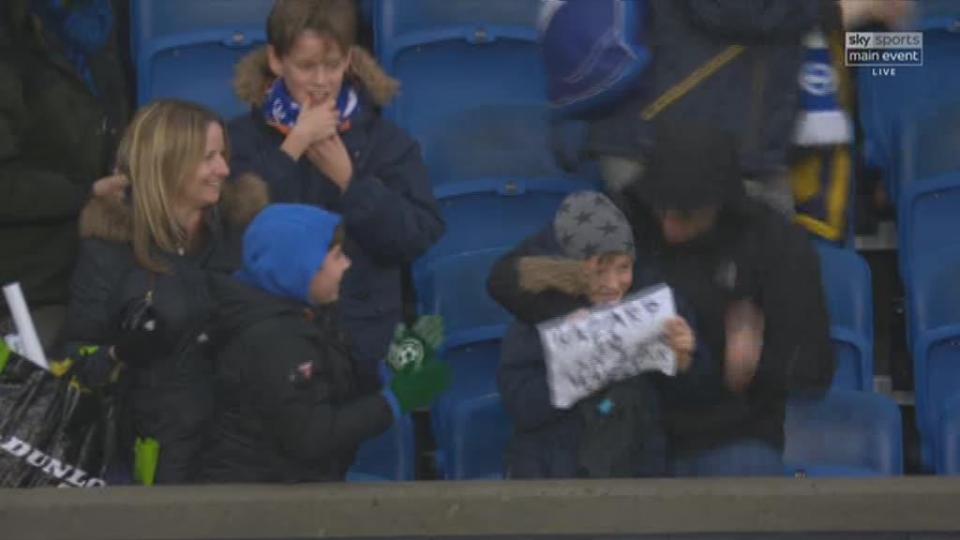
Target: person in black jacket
{"x":144,"y":256}
{"x":289,"y":404}
{"x":751,"y":278}
{"x":315,"y":134}
{"x":757,"y":46}
{"x":616,"y":431}
{"x":63,"y":104}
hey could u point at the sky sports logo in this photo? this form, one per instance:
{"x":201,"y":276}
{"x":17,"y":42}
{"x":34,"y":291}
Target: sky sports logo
{"x":883,"y":51}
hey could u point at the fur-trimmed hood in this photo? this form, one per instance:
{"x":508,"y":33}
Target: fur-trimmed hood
{"x":538,"y":274}
{"x":253,"y":77}
{"x":111,"y":218}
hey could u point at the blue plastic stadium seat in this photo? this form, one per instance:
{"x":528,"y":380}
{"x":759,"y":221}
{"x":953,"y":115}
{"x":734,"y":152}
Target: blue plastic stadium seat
{"x":482,"y":225}
{"x":849,"y":294}
{"x":929,"y":179}
{"x":847,"y":433}
{"x":929,"y":143}
{"x":455,"y":288}
{"x":396,"y":18}
{"x":474,"y":91}
{"x":932,"y":11}
{"x":155,"y":19}
{"x":389,"y":457}
{"x":481,"y":433}
{"x":887,"y":104}
{"x":948,"y":444}
{"x":479,"y":110}
{"x":196,"y":67}
{"x":927,"y":220}
{"x":187,"y":49}
{"x":474,"y":378}
{"x":497,"y":213}
{"x":934,"y":319}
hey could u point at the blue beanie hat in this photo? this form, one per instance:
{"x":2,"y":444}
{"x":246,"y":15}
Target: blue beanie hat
{"x":284,"y":247}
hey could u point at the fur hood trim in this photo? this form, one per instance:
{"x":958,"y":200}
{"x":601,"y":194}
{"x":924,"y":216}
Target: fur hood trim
{"x":111,"y":218}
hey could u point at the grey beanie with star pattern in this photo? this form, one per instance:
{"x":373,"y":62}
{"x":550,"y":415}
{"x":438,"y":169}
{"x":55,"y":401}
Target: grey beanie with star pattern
{"x":588,"y":223}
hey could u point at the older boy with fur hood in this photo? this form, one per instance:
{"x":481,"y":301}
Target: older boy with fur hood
{"x":315,"y":134}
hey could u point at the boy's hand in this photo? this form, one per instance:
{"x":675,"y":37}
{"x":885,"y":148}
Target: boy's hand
{"x":333,"y":160}
{"x":680,"y":338}
{"x":316,"y":123}
{"x":744,"y":327}
{"x":416,"y":389}
{"x":578,"y":315}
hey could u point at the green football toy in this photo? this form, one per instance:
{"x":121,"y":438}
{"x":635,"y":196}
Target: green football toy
{"x":411,"y":348}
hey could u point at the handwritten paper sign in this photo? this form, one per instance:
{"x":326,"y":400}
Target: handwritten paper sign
{"x":610,"y":344}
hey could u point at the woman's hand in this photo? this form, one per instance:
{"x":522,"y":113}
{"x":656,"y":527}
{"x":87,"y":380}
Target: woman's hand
{"x":111,"y":186}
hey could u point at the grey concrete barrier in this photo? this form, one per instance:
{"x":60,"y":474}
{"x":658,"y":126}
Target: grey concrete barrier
{"x":485,"y":509}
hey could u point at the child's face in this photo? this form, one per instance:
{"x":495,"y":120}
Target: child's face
{"x":313,"y":69}
{"x":611,"y":276}
{"x":325,"y":286}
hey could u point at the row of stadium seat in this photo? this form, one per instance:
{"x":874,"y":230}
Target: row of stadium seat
{"x":473,"y":95}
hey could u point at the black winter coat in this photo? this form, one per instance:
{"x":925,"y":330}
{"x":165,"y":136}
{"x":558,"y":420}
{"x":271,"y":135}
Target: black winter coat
{"x":555,"y":443}
{"x":166,"y":396}
{"x":56,"y":138}
{"x":289,"y":408}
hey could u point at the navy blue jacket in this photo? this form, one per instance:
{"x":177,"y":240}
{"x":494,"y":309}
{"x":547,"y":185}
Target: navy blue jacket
{"x":772,"y":263}
{"x":755,"y":97}
{"x":546,"y":440}
{"x":389,"y":212}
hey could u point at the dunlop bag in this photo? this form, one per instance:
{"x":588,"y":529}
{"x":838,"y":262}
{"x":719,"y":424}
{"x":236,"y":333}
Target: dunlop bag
{"x":53,"y":432}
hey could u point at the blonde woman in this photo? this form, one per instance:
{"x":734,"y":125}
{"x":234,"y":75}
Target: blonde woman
{"x":139,"y":288}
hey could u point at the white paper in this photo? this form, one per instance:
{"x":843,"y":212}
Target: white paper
{"x":28,"y":339}
{"x":611,"y":344}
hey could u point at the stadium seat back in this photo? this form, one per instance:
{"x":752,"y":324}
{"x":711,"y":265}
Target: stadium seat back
{"x":849,"y":294}
{"x":481,"y":433}
{"x":388,"y":457}
{"x":887,"y":104}
{"x":201,"y":71}
{"x":474,"y":367}
{"x":396,"y":18}
{"x":455,"y":287}
{"x":948,"y":451}
{"x":856,"y":432}
{"x":479,"y":110}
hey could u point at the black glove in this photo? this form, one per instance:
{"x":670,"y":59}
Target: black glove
{"x":92,"y":364}
{"x":140,"y":337}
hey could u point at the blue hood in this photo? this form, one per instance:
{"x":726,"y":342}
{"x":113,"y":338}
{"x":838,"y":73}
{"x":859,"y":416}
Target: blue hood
{"x":284,"y":247}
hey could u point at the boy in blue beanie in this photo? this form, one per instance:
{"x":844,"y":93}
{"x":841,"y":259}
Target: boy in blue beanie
{"x":288,"y":404}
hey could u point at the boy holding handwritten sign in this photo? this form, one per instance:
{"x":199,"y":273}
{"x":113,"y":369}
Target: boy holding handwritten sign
{"x":579,"y":387}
